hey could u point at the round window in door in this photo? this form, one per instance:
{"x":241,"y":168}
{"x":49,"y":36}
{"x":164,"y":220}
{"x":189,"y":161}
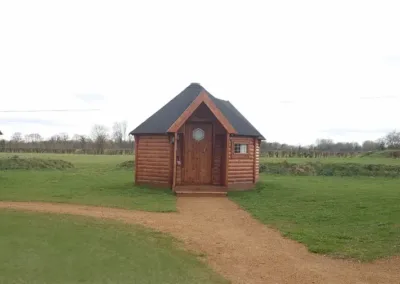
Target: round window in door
{"x":198,"y":134}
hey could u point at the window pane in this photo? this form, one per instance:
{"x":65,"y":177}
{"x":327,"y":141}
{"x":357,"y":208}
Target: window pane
{"x":240,"y":149}
{"x":198,"y":134}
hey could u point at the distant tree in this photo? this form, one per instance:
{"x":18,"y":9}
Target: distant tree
{"x":2,"y":144}
{"x":33,"y":138}
{"x":124,"y":127}
{"x":382,"y":144}
{"x":17,"y":137}
{"x":324,"y":144}
{"x":76,"y":137}
{"x":83,"y":140}
{"x":119,"y":132}
{"x":99,"y":136}
{"x":392,"y":140}
{"x":63,"y":136}
{"x":370,"y":145}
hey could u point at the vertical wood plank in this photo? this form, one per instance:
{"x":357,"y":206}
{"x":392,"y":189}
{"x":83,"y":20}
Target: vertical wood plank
{"x":226,"y":162}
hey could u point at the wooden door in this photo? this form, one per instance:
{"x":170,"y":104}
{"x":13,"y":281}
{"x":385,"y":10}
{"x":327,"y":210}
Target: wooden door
{"x":198,"y":153}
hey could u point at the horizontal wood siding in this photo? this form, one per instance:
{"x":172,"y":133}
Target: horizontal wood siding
{"x":241,"y":166}
{"x":257,"y":160}
{"x":217,"y":159}
{"x":153,"y":159}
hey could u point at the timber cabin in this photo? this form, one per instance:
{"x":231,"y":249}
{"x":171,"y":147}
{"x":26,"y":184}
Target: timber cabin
{"x":197,"y":143}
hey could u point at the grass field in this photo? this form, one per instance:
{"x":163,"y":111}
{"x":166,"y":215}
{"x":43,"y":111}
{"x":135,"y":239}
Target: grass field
{"x":50,"y":249}
{"x":343,"y":217}
{"x":359,"y":160}
{"x":357,"y":217}
{"x":94,"y":181}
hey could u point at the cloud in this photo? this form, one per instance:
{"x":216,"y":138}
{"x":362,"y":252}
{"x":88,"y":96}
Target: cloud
{"x":286,"y":102}
{"x":392,"y":60}
{"x":44,"y":122}
{"x":345,"y":131}
{"x":378,"y":97}
{"x":89,"y":98}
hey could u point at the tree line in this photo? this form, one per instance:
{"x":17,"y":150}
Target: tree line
{"x":116,"y":140}
{"x":101,"y":140}
{"x":327,"y":147}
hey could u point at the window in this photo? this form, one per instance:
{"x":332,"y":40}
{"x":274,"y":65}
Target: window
{"x":240,"y":149}
{"x":198,"y":134}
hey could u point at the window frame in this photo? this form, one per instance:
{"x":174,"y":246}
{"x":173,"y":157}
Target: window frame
{"x":240,"y":148}
{"x":240,"y":155}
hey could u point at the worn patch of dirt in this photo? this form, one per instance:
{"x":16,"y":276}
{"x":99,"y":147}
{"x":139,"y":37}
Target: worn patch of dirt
{"x":237,"y":246}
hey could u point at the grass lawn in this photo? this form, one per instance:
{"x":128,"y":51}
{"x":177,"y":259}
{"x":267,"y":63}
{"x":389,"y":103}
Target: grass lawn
{"x":94,"y":181}
{"x":360,"y":160}
{"x":343,"y":217}
{"x":41,"y":248}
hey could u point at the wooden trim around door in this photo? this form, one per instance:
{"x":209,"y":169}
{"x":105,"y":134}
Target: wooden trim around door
{"x":174,"y":161}
{"x":202,"y":98}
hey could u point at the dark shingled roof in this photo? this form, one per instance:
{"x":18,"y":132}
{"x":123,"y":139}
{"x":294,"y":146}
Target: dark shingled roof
{"x":162,"y":120}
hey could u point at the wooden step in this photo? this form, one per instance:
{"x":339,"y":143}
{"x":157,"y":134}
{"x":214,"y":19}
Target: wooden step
{"x":202,"y":193}
{"x":201,"y":190}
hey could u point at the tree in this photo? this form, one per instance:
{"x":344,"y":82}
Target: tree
{"x":392,"y":140}
{"x":64,"y":137}
{"x":16,"y":137}
{"x":370,"y":145}
{"x":33,"y":138}
{"x":119,"y":132}
{"x":99,"y":136}
{"x":83,"y":140}
{"x":324,"y":144}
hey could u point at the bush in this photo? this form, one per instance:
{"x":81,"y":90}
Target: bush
{"x":127,"y":165}
{"x":325,"y":169}
{"x":16,"y":163}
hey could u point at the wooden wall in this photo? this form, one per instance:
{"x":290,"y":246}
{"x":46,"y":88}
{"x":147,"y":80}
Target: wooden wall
{"x":241,"y":166}
{"x":153,"y":160}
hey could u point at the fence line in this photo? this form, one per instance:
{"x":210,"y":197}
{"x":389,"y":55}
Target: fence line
{"x":69,"y":151}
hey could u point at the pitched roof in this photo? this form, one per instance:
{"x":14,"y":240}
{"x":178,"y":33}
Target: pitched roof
{"x":161,"y":121}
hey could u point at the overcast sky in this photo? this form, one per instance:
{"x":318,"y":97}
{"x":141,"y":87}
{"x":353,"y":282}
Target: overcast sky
{"x":298,"y":70}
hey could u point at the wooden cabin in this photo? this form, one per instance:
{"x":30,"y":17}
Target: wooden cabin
{"x":197,"y":142}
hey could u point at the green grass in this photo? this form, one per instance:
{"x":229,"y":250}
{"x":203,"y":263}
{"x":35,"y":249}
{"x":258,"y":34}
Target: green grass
{"x":330,"y":169}
{"x":359,"y":160}
{"x":95,"y":180}
{"x":51,"y":249}
{"x":343,"y":217}
{"x":382,"y":154}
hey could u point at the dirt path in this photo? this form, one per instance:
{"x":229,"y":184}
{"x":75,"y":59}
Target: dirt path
{"x":237,"y":246}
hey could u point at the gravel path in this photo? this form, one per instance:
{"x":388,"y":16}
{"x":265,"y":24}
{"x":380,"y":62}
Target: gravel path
{"x":237,"y":246}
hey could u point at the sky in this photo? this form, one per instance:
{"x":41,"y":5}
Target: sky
{"x":297,"y":70}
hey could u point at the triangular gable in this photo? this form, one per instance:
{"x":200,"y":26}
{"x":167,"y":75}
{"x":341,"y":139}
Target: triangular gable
{"x":202,"y":98}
